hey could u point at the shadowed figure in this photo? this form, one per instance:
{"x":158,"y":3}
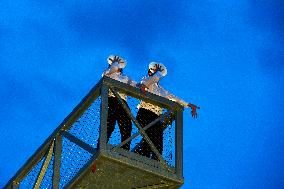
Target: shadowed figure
{"x":116,"y":112}
{"x":148,"y":112}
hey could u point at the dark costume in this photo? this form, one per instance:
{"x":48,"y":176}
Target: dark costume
{"x":115,"y":110}
{"x":117,"y":113}
{"x":148,"y":112}
{"x":155,"y":133}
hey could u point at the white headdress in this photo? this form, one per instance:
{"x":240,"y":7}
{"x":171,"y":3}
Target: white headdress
{"x":152,"y":67}
{"x":115,"y":58}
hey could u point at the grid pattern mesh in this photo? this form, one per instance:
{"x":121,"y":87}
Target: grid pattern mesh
{"x":73,"y":158}
{"x":86,"y":128}
{"x":115,"y":137}
{"x":30,"y":179}
{"x":169,"y":144}
{"x":133,"y":103}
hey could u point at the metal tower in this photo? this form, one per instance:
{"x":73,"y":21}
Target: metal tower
{"x":78,"y":155}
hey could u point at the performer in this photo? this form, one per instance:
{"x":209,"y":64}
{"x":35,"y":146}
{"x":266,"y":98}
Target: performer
{"x":115,"y":110}
{"x":148,"y":112}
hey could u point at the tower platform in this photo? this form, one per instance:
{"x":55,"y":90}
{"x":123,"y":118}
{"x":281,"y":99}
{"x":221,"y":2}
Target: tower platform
{"x":109,"y":172}
{"x":79,"y":155}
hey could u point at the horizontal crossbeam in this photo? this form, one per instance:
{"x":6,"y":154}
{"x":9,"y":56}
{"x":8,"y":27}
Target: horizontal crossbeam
{"x":79,"y":142}
{"x":144,"y":128}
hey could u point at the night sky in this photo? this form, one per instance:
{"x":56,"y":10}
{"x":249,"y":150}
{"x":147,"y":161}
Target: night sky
{"x":226,"y":56}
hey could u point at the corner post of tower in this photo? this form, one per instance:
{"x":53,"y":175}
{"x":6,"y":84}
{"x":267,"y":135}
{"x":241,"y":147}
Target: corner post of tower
{"x":103,"y":119}
{"x":179,"y":143}
{"x":15,"y":185}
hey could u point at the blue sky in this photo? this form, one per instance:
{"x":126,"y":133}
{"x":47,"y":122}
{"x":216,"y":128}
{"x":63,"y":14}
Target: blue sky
{"x":226,"y":56}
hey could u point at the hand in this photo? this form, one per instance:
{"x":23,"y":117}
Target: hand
{"x":158,"y":68}
{"x":142,"y":88}
{"x":116,"y":59}
{"x":193,"y":110}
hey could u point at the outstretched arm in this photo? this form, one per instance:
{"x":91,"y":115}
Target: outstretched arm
{"x":182,"y":102}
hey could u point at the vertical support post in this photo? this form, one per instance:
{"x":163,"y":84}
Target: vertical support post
{"x":15,"y":185}
{"x":104,"y":114}
{"x":57,"y":161}
{"x":179,"y":143}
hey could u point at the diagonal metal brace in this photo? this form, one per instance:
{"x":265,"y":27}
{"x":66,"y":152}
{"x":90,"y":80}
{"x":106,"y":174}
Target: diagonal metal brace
{"x":44,"y":167}
{"x":143,"y":133}
{"x":57,"y":151}
{"x":144,"y":128}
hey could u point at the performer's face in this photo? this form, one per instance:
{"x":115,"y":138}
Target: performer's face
{"x":150,"y":73}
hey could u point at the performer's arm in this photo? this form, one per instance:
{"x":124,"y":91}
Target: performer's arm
{"x":182,"y":102}
{"x":152,"y":79}
{"x":112,"y":69}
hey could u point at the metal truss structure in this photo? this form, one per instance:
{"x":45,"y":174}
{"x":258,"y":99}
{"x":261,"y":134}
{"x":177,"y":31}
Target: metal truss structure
{"x":79,"y":155}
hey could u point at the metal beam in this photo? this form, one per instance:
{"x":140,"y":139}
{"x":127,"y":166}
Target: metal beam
{"x":104,"y":114}
{"x":179,"y":144}
{"x":77,"y":112}
{"x":32,"y":161}
{"x":82,"y":172}
{"x":144,"y":128}
{"x":148,"y":97}
{"x":15,"y":185}
{"x":140,"y":162}
{"x":79,"y":142}
{"x":44,"y":167}
{"x":57,"y":161}
{"x":82,"y":106}
{"x":138,"y":158}
{"x":65,"y":125}
{"x":155,"y":186}
{"x":143,"y":133}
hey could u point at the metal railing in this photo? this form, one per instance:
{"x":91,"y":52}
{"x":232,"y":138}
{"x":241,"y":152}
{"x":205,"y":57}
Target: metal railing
{"x":82,"y":137}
